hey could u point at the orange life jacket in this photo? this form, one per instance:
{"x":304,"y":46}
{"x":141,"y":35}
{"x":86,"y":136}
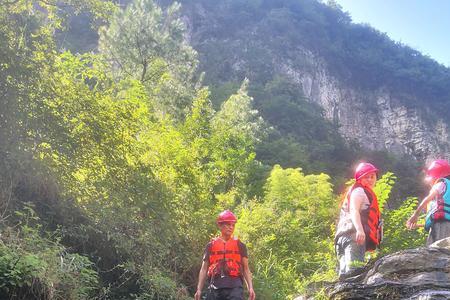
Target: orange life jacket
{"x":224,"y":258}
{"x":370,"y":219}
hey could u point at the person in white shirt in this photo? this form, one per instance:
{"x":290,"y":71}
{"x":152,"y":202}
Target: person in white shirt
{"x":358,"y":229}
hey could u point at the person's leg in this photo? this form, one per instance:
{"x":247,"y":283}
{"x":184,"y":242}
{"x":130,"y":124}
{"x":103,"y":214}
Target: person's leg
{"x":431,"y":237}
{"x":354,"y":256}
{"x":438,"y":231}
{"x":213,"y":294}
{"x":341,"y":259}
{"x":341,"y":244}
{"x":236,"y":293}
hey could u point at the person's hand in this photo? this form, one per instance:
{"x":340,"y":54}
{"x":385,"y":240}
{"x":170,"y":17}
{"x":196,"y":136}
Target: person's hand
{"x":251,"y":294}
{"x":198,"y":295}
{"x":360,"y":237}
{"x":412,"y":222}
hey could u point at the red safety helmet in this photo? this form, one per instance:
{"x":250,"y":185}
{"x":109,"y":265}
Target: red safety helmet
{"x":226,"y":217}
{"x":438,"y":169}
{"x":363,"y":169}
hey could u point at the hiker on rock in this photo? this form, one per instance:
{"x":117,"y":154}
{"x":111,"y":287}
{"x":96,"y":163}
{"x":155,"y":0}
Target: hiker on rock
{"x":225,"y":263}
{"x":359,"y":228}
{"x":437,"y":221}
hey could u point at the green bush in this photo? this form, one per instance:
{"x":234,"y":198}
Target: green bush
{"x":289,"y":232}
{"x":18,"y":270}
{"x":155,"y":285}
{"x":34,"y":265}
{"x":396,"y":235}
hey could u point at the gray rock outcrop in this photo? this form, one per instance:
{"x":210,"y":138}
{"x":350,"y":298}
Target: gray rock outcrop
{"x":422,"y":273}
{"x":376,"y":119}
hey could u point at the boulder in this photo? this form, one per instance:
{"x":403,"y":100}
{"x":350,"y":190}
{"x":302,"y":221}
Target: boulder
{"x":422,"y":273}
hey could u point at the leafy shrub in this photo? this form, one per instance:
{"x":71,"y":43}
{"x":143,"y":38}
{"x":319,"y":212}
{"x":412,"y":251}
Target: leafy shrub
{"x":34,"y":265}
{"x":289,"y":232}
{"x":396,"y":235}
{"x":158,"y":286}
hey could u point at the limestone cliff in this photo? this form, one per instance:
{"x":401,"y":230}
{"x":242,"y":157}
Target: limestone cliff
{"x":235,"y":39}
{"x":285,"y":38}
{"x":377,"y":119}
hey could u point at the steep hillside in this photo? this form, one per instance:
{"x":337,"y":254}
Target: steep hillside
{"x":379,"y":93}
{"x":382,"y":94}
{"x":332,"y":91}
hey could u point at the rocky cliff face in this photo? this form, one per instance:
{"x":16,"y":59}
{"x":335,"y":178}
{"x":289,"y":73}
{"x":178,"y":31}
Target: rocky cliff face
{"x":422,"y":273}
{"x":375,"y":118}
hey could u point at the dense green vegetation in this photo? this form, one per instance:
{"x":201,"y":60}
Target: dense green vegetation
{"x":113,"y":165}
{"x":238,"y":39}
{"x":259,"y":39}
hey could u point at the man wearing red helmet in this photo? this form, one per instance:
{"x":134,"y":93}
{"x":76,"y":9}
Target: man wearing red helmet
{"x":225,"y":263}
{"x":359,"y":227}
{"x":437,"y":221}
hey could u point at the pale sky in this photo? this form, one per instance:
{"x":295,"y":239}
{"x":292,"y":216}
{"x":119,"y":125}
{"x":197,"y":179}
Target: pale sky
{"x":421,"y":24}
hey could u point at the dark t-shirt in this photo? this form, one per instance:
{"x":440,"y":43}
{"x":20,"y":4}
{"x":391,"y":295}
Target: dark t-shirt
{"x":219,"y":282}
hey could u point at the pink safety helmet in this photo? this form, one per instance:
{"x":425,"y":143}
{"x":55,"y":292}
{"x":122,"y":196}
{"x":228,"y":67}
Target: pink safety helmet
{"x":363,"y":169}
{"x":439,"y":168}
{"x":226,"y":217}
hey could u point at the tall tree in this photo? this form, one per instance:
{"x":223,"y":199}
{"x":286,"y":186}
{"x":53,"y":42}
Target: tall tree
{"x":237,"y":128}
{"x":147,"y":43}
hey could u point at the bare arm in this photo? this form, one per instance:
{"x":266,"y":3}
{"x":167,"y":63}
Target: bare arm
{"x":355,"y":207}
{"x":201,"y":280}
{"x":248,"y":278}
{"x":412,"y":221}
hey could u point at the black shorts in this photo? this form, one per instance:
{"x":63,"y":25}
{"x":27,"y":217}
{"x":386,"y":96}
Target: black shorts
{"x":225,"y":294}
